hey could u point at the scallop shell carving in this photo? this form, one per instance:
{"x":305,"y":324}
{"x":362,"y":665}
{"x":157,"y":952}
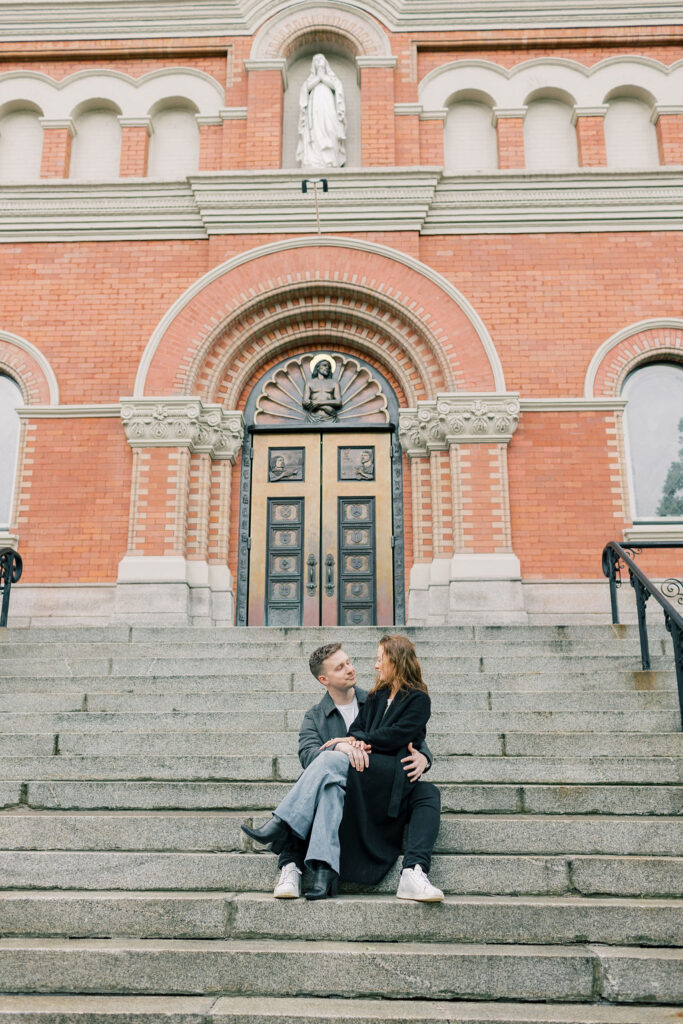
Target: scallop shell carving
{"x":281,"y":400}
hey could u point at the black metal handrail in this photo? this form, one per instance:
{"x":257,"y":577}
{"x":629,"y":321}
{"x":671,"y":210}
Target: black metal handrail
{"x":612,"y":556}
{"x":11,"y":567}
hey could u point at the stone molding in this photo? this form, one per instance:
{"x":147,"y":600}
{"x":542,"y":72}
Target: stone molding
{"x":58,"y":122}
{"x":662,"y":324}
{"x":369,"y":199}
{"x":596,"y":111}
{"x":69,"y":412}
{"x":15,"y":341}
{"x":468,"y":418}
{"x":279,"y":64}
{"x":118,"y":19}
{"x":183,"y":423}
{"x":137,"y":122}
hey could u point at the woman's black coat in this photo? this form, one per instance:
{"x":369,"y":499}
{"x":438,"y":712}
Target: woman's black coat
{"x":375,"y":807}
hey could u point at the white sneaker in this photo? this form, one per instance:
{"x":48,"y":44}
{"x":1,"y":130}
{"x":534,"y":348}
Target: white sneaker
{"x":414,"y":885}
{"x":288,"y":885}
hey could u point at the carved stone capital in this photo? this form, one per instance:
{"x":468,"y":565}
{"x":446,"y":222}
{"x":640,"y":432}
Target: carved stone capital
{"x":458,"y":419}
{"x":183,"y":423}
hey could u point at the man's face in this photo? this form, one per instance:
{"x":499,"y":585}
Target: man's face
{"x":338,"y":672}
{"x":324,"y":369}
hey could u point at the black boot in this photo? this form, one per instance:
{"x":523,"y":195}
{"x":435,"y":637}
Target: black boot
{"x":275,"y":832}
{"x":325,"y":882}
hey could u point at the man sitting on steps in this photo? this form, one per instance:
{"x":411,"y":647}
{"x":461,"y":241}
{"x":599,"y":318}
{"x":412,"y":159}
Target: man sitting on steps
{"x":330,"y":718}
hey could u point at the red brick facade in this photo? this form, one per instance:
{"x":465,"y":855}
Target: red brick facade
{"x":481,"y":311}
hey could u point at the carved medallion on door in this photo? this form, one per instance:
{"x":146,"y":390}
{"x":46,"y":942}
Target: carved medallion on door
{"x":321,"y":530}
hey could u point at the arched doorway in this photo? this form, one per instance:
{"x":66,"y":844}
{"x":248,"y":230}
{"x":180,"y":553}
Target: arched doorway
{"x":321,"y":519}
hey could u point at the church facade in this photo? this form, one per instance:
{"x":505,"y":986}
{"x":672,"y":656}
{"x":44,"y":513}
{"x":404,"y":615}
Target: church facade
{"x":337,"y":314}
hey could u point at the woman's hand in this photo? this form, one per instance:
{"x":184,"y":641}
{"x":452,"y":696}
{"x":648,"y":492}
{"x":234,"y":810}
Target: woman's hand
{"x":351,"y":740}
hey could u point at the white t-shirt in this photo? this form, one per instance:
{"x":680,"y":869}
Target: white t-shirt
{"x":349,"y":712}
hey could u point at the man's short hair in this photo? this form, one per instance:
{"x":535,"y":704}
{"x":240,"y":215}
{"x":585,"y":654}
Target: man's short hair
{"x":320,"y":656}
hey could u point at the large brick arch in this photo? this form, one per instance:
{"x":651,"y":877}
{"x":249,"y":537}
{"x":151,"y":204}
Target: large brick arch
{"x":331,"y":291}
{"x":644,"y":342}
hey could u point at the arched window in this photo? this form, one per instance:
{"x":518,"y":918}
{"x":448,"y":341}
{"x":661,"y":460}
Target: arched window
{"x":21,"y":145}
{"x":10,"y":400}
{"x":549,"y":136}
{"x":630,"y":136}
{"x":470,"y":142}
{"x":96,"y":146}
{"x":654,"y":436}
{"x":174,"y":145}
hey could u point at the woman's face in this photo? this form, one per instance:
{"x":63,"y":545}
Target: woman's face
{"x":382,"y":664}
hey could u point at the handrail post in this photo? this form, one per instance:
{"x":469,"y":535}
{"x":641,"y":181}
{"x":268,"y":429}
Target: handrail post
{"x":677,"y":638}
{"x":10,"y":571}
{"x":641,"y":606}
{"x":612,"y":573}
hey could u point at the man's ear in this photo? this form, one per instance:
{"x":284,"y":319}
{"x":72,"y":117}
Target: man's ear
{"x":323,"y":681}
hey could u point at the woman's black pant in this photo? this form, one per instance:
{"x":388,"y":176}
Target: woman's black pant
{"x":424,"y":815}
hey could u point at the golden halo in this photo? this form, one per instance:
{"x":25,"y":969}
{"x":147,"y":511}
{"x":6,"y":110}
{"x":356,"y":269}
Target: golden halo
{"x":322,"y":358}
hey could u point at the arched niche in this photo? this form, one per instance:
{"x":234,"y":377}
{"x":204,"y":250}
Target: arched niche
{"x":21,"y":142}
{"x":342,"y":62}
{"x":630,"y":136}
{"x":174,"y":141}
{"x":550,"y":142}
{"x":470,"y":142}
{"x":96,"y":145}
{"x":11,"y":398}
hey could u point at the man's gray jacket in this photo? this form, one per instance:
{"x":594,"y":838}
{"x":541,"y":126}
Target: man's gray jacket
{"x":323,"y":722}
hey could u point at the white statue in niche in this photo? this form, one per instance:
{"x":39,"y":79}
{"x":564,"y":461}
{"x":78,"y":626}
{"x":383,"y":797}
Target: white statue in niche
{"x":322,"y":118}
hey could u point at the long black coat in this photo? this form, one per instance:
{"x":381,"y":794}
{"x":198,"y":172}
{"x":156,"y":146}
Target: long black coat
{"x":375,"y":808}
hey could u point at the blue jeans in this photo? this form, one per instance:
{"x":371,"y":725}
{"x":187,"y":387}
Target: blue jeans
{"x":315,"y":805}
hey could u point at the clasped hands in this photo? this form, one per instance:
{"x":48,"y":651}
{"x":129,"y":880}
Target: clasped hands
{"x":358,"y":753}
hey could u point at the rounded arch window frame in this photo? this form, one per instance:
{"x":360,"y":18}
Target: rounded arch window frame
{"x":658,"y":357}
{"x":7,"y":372}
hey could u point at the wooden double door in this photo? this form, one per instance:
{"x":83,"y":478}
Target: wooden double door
{"x":321,"y":530}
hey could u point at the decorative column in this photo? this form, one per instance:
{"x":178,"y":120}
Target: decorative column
{"x":166,"y":575}
{"x":266,"y":82}
{"x":135,"y":133}
{"x":668,"y":122}
{"x":590,"y":135}
{"x":57,"y":136}
{"x":378,"y":141}
{"x":473,"y":574}
{"x":510,"y":130}
{"x":407,"y":134}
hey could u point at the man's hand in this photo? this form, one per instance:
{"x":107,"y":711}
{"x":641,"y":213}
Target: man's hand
{"x":358,"y":757}
{"x":351,"y":740}
{"x":415,"y":764}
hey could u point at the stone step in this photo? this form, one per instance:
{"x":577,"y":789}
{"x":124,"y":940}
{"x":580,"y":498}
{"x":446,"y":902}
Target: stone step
{"x":485,"y":919}
{"x":630,"y":721}
{"x":162,"y":665}
{"x":586,"y":973}
{"x":226,"y":702}
{"x":298,"y":680}
{"x":575,"y":744}
{"x":457,"y":798}
{"x":239,"y":767}
{"x":206,"y":831}
{"x":476,"y":874}
{"x":257,"y":1010}
{"x":58,"y":1009}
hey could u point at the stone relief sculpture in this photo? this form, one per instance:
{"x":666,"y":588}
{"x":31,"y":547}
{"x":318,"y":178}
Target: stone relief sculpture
{"x":322,"y":394}
{"x":322,"y":118}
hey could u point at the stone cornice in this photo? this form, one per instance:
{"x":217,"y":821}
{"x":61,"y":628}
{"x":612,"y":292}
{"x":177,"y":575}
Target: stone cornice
{"x":371,"y":199}
{"x":183,"y":423}
{"x":467,"y":418}
{"x":122,"y":19}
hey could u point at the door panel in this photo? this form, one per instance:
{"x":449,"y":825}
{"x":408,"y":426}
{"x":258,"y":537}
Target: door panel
{"x":321,"y":530}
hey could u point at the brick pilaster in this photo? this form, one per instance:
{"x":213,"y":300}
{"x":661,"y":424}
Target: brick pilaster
{"x":56,"y":157}
{"x":669,"y":127}
{"x":135,"y":133}
{"x":510,"y":131}
{"x":265,"y":99}
{"x":590,"y":135}
{"x":378,"y":138}
{"x":432,"y":137}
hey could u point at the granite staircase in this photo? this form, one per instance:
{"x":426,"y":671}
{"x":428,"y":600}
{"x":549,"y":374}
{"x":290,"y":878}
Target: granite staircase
{"x":129,"y":757}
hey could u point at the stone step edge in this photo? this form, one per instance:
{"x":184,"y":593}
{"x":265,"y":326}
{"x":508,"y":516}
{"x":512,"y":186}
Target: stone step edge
{"x":271,"y":1010}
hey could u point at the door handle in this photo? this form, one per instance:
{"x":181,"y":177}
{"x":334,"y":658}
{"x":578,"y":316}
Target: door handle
{"x":329,"y":575}
{"x":312,"y":585}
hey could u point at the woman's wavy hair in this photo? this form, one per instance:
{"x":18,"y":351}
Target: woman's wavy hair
{"x":405,"y":668}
